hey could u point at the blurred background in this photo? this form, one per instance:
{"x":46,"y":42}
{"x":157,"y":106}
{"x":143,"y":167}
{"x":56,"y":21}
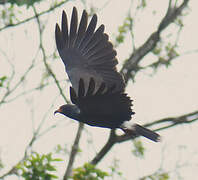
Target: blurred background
{"x":156,"y":43}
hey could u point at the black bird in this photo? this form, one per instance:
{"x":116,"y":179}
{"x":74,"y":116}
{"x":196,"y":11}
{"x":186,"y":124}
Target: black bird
{"x":97,"y":90}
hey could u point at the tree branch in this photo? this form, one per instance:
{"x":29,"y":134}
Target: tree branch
{"x":74,"y":152}
{"x":9,"y":90}
{"x":45,"y":58}
{"x":33,"y":17}
{"x":131,"y":67}
{"x":171,"y":15}
{"x":75,"y":146}
{"x":111,"y":141}
{"x":165,"y":124}
{"x":36,"y":134}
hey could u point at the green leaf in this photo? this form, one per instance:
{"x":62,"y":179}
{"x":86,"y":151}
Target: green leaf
{"x":88,"y":172}
{"x":37,"y":167}
{"x":164,"y":176}
{"x":50,"y":168}
{"x":23,"y":2}
{"x":142,"y":4}
{"x":2,"y":80}
{"x":138,"y":150}
{"x":57,"y":159}
{"x":124,"y":29}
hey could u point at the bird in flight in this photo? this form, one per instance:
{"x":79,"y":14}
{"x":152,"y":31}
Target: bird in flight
{"x":98,"y":89}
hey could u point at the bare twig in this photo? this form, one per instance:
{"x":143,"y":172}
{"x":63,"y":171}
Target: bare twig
{"x":10,"y":91}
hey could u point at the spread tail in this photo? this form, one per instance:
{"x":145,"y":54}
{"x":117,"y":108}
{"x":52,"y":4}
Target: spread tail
{"x":138,"y":130}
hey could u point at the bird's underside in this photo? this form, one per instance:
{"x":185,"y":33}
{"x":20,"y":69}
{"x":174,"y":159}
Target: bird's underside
{"x":102,"y":108}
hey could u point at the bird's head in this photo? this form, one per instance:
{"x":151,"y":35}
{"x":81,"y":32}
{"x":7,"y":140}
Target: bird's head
{"x":69,"y":110}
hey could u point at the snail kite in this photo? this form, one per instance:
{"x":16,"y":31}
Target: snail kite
{"x":98,"y":89}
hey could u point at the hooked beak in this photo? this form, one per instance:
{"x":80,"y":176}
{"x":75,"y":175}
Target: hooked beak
{"x":57,"y":111}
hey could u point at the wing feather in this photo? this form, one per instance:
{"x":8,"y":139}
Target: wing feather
{"x":64,"y":27}
{"x":89,"y":33}
{"x":91,"y":87}
{"x":81,"y":29}
{"x":81,"y":89}
{"x":87,"y":52}
{"x":106,"y":108}
{"x":73,"y":96}
{"x":59,"y":38}
{"x":97,"y":37}
{"x":73,"y":27}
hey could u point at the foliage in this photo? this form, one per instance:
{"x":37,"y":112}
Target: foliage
{"x":8,"y":15}
{"x":1,"y":164}
{"x":165,"y":54}
{"x":38,"y":167}
{"x":123,"y":29}
{"x":142,"y":4}
{"x":23,"y":2}
{"x":115,"y":170}
{"x":88,"y":172}
{"x":139,"y":149}
{"x":2,"y":80}
{"x":157,"y":176}
{"x":61,"y":150}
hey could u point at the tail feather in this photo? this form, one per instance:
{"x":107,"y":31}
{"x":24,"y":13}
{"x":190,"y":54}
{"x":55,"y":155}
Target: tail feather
{"x":138,"y":130}
{"x":147,"y":133}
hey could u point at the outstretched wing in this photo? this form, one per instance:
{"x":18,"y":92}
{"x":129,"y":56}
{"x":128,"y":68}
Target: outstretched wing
{"x":87,"y":53}
{"x":102,"y":108}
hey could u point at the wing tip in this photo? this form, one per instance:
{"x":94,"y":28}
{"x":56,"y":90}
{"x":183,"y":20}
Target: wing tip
{"x":81,"y":88}
{"x":73,"y":95}
{"x":74,"y":12}
{"x":74,"y":9}
{"x":58,"y":37}
{"x":63,"y":13}
{"x":64,"y":17}
{"x":57,"y":28}
{"x":91,"y":87}
{"x":93,"y":22}
{"x":84,"y":12}
{"x":95,"y":17}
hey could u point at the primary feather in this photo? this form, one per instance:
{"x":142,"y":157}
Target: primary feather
{"x":86,"y":52}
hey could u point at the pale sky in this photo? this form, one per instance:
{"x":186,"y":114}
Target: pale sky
{"x":169,"y":92}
